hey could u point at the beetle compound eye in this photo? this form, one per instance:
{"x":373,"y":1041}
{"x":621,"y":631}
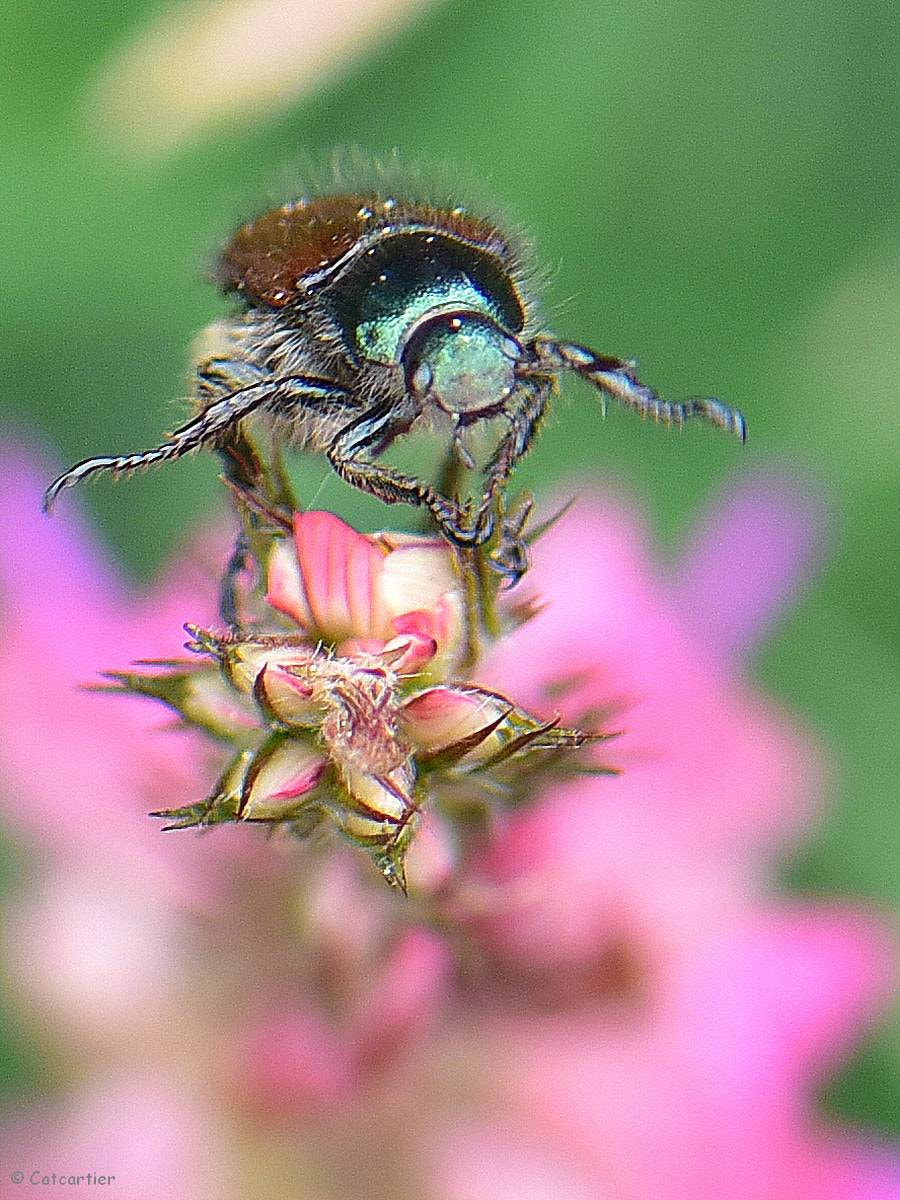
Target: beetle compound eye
{"x":463,"y":362}
{"x":422,"y":379}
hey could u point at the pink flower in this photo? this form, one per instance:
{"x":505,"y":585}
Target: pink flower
{"x":700,"y":751}
{"x":103,"y":953}
{"x":335,"y":720}
{"x":685,"y":1019}
{"x":295,"y":1061}
{"x":389,"y":593}
{"x":76,"y":764}
{"x":631,"y":1014}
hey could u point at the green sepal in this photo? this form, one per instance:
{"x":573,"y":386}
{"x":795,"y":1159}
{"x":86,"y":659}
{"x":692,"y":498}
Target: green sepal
{"x":220,"y":806}
{"x":170,"y":686}
{"x":175,"y":688}
{"x":390,"y":859}
{"x":538,"y":531}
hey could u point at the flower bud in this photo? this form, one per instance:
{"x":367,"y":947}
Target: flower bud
{"x":282,"y":780}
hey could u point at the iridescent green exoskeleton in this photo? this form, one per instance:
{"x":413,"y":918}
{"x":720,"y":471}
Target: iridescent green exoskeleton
{"x":362,"y":315}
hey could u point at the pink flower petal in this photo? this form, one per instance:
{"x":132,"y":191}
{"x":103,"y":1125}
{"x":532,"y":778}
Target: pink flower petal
{"x":418,"y":621}
{"x":442,"y":626}
{"x":433,"y":857}
{"x":694,"y":1088}
{"x":489,"y":1160}
{"x":361,"y":647}
{"x":285,"y":695}
{"x":577,"y":874}
{"x":159,"y":1140}
{"x":67,"y":617}
{"x":415,"y":577}
{"x":403,"y":998}
{"x":292,"y":1061}
{"x":97,"y":954}
{"x":408,"y":653}
{"x":285,"y":590}
{"x":698,"y":752}
{"x":748,"y":559}
{"x":841,"y":1168}
{"x":441,"y":716}
{"x":339,"y":569}
{"x":783,"y":995}
{"x":292,"y":771}
{"x":39,"y":553}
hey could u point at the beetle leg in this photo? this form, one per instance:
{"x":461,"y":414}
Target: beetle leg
{"x":209,"y":427}
{"x":616,"y":377}
{"x":510,"y":557}
{"x":241,"y":466}
{"x":368,"y":435}
{"x":243,"y":469}
{"x":217,"y":377}
{"x":234,"y":568}
{"x":525,"y":413}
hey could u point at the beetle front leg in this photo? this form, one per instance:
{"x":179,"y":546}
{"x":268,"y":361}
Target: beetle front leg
{"x":616,"y":377}
{"x":370,"y":434}
{"x":510,"y":556}
{"x":212,"y":426}
{"x":527,"y":408}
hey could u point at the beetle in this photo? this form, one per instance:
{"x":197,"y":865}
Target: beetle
{"x":362,"y":314}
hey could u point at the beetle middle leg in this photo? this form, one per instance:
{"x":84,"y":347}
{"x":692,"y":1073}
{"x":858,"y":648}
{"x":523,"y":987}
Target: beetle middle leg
{"x":242,"y":468}
{"x":264,"y":485}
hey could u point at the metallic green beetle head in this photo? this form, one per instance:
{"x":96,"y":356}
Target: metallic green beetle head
{"x":462,"y":361}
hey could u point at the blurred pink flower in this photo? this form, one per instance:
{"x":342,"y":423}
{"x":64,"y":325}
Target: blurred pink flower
{"x":713,"y":779}
{"x":76,"y":764}
{"x":150,"y":1140}
{"x":632,"y":1015}
{"x":774,"y":521}
{"x":701,"y":752}
{"x":687,"y":1073}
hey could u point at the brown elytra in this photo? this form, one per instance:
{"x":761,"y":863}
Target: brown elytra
{"x":267,"y":258}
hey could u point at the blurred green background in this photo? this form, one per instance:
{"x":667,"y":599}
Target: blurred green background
{"x":712,"y":188}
